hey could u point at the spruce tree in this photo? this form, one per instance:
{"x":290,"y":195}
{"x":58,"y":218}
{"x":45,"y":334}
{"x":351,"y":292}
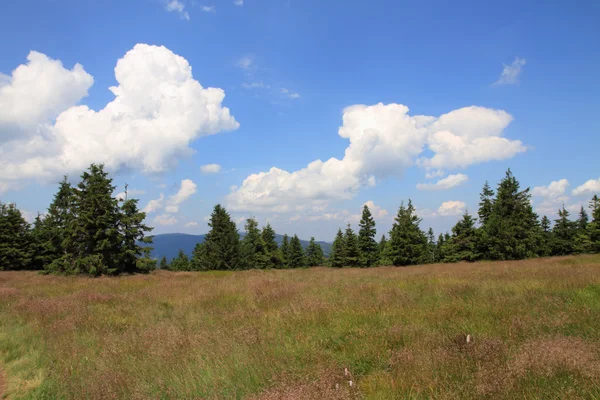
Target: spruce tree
{"x":462,"y":245}
{"x":369,"y":251}
{"x":594,"y":226}
{"x":582,"y":235}
{"x":199,"y":260}
{"x":408,"y":243}
{"x":254,"y":254}
{"x":164,"y":264}
{"x":382,"y":260}
{"x":563,"y":234}
{"x":314,"y":254}
{"x":512,"y":230}
{"x":40,"y":238}
{"x":296,"y":253}
{"x":545,"y":246}
{"x":181,"y":262}
{"x":431,"y":247}
{"x":440,"y":253}
{"x":274,"y":258}
{"x":16,"y":247}
{"x":56,"y":224}
{"x":351,"y":249}
{"x":285,"y":251}
{"x":486,"y":203}
{"x":337,"y":258}
{"x":222,"y":251}
{"x":134,"y":256}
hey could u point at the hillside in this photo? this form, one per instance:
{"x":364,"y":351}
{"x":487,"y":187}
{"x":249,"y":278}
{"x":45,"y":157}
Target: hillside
{"x":168,"y":244}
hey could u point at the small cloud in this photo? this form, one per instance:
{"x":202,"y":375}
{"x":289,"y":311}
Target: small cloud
{"x":210,"y":169}
{"x":434,"y":174}
{"x":590,"y":187}
{"x":553,"y":190}
{"x":187,"y":189}
{"x":246,"y":63}
{"x":165,"y":219}
{"x":238,"y":3}
{"x":291,"y":95}
{"x":255,"y":85}
{"x":178,"y":7}
{"x":209,"y":9}
{"x":191,"y":224}
{"x":452,"y":208}
{"x":447,"y":183}
{"x":510,"y":73}
{"x":154,"y":205}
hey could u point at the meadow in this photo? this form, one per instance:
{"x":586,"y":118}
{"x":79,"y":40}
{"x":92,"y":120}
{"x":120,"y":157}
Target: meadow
{"x":317,"y":333}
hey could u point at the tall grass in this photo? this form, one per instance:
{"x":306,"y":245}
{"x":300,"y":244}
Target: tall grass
{"x":290,"y":334}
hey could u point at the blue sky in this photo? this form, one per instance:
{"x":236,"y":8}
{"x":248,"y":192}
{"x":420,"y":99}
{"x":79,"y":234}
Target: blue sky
{"x":467,"y":89}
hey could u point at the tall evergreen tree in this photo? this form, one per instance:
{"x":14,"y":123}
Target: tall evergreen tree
{"x":181,"y":262}
{"x":486,"y":203}
{"x":563,"y":234}
{"x":408,"y":243}
{"x":369,"y":251}
{"x":254,"y":253}
{"x":431,"y":247}
{"x":296,"y":254}
{"x":56,"y":225}
{"x":314,"y":254}
{"x":594,"y":226}
{"x":134,"y":256}
{"x":351,"y":250}
{"x":285,"y":251}
{"x":462,"y":245}
{"x":582,"y":235}
{"x":222,"y":242}
{"x":274,"y":257}
{"x":199,"y":259}
{"x":40,"y":238}
{"x":337,"y":257}
{"x":545,"y":246}
{"x":382,"y":248}
{"x":511,"y":231}
{"x":164,"y":264}
{"x":440,"y":249}
{"x":16,"y":247}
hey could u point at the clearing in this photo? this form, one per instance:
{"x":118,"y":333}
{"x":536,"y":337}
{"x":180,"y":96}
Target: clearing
{"x":289,"y":334}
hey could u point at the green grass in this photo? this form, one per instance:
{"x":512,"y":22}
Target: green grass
{"x":400,"y":332}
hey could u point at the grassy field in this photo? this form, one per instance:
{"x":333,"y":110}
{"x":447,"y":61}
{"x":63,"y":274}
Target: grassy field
{"x":291,"y":334}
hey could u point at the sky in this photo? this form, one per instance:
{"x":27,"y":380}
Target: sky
{"x":299,"y":112}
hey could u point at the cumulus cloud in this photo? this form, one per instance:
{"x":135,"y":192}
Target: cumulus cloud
{"x":178,"y":7}
{"x":154,"y":205}
{"x":446,"y":183}
{"x":186,"y":190}
{"x":210,"y":169}
{"x":209,"y":9}
{"x":158,"y":111}
{"x":510,"y":73}
{"x":590,"y":187}
{"x":452,"y":208}
{"x":384,"y":140}
{"x":165,"y":219}
{"x":434,"y":174}
{"x":553,"y":190}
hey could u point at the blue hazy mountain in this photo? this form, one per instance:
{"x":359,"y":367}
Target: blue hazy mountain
{"x":168,"y":244}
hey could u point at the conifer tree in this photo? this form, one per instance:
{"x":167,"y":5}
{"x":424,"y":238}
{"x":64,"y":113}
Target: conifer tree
{"x":594,"y":226}
{"x":254,"y":254}
{"x":545,"y":246}
{"x":164,"y":264}
{"x":486,"y":203}
{"x":369,"y":251}
{"x":222,"y":242}
{"x":351,"y":250}
{"x":56,"y":225}
{"x":199,"y":259}
{"x":382,"y":251}
{"x":181,"y":262}
{"x":296,"y":253}
{"x":40,"y":239}
{"x":462,"y":245}
{"x":337,"y":258}
{"x":285,"y":251}
{"x":440,"y":253}
{"x":431,"y":247}
{"x":582,"y":235}
{"x":274,"y":258}
{"x":563,"y":234}
{"x":16,"y":247}
{"x":134,"y":257}
{"x":314,"y":254}
{"x":408,"y":243}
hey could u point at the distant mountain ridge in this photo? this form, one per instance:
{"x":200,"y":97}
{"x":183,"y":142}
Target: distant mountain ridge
{"x":168,"y":244}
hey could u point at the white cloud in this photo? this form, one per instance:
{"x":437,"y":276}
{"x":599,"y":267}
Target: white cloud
{"x":553,"y":190}
{"x":131,"y":193}
{"x":209,"y":9}
{"x":384,"y":140}
{"x":158,"y":111}
{"x":376,"y":211}
{"x":452,"y":208}
{"x":446,"y":183}
{"x":239,"y":3}
{"x":187,"y":189}
{"x":154,"y":205}
{"x":255,"y":85}
{"x":210,"y":169}
{"x":590,"y":187}
{"x":191,"y":224}
{"x":246,"y":63}
{"x":165,"y":219}
{"x":178,"y":7}
{"x":287,"y":93}
{"x":434,"y":174}
{"x":510,"y":73}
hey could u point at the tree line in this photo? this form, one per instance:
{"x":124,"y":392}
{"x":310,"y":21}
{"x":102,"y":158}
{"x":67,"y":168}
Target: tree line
{"x":86,"y":230}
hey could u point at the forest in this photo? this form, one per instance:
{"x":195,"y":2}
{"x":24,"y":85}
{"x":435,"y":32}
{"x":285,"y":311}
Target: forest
{"x":87,"y":230}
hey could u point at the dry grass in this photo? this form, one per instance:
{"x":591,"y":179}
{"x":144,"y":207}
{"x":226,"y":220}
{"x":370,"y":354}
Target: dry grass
{"x":290,"y":334}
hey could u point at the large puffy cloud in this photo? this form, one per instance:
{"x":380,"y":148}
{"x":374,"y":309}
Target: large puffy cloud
{"x":553,"y":190}
{"x":590,"y":187}
{"x":446,"y":183}
{"x":158,"y":110}
{"x":383,"y":141}
{"x":186,"y":190}
{"x":452,"y":208}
